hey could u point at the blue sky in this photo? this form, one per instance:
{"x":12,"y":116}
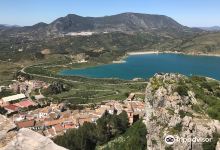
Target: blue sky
{"x":186,"y":12}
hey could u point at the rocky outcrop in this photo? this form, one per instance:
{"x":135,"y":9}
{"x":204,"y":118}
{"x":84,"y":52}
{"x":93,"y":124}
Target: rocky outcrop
{"x":169,"y":113}
{"x":6,"y":125}
{"x":218,"y":146}
{"x":24,"y":139}
{"x":27,"y":139}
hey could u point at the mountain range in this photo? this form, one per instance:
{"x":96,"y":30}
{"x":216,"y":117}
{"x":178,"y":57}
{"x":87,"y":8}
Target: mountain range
{"x":125,"y":22}
{"x":214,"y":28}
{"x":103,"y":36}
{"x":6,"y":26}
{"x":121,"y":22}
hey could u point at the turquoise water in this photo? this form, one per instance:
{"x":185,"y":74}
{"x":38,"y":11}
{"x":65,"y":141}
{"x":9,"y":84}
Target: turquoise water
{"x":145,"y":66}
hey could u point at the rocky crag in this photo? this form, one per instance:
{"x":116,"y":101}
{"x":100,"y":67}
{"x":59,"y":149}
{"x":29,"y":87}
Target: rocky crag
{"x":27,"y":139}
{"x":170,"y":110}
{"x":24,"y":139}
{"x":6,"y":125}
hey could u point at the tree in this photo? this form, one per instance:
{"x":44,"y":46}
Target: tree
{"x":19,"y":74}
{"x":102,"y":129}
{"x":182,"y":90}
{"x":110,"y":126}
{"x":211,"y":145}
{"x":89,"y":135}
{"x":137,"y":136}
{"x":83,"y":138}
{"x":133,"y":139}
{"x":5,"y":93}
{"x":56,"y":88}
{"x":124,"y":122}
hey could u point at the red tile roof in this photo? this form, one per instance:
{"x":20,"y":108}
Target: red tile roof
{"x":25,"y":103}
{"x":11,"y":107}
{"x":53,"y":122}
{"x":25,"y":124}
{"x":58,"y":128}
{"x":69,"y":126}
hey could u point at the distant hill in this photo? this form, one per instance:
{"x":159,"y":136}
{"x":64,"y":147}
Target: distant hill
{"x":111,"y":36}
{"x":214,"y":28}
{"x":4,"y":26}
{"x":125,"y":22}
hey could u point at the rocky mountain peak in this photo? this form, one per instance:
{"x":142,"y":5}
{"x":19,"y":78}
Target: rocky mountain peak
{"x":125,"y":22}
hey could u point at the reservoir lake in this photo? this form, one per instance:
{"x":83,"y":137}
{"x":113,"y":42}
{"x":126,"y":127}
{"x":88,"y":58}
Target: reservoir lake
{"x":145,"y":66}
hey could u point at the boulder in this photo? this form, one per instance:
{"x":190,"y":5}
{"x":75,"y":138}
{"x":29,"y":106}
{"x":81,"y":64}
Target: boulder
{"x":186,"y":121}
{"x":5,"y":125}
{"x":27,"y":139}
{"x":218,"y":145}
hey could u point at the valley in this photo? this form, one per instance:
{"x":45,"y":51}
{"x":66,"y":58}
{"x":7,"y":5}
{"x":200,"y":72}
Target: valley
{"x":121,"y":81}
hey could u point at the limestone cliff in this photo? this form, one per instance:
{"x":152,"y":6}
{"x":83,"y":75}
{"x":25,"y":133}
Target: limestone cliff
{"x":170,"y":110}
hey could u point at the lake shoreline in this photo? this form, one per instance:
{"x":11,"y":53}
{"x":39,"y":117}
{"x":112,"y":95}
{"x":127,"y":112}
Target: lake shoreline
{"x":170,"y":52}
{"x":122,"y":60}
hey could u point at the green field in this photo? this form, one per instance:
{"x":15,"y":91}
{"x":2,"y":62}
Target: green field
{"x":7,"y":71}
{"x":83,"y":90}
{"x":80,"y":90}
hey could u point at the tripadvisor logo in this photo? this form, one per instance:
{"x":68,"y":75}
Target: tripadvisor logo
{"x":170,"y":139}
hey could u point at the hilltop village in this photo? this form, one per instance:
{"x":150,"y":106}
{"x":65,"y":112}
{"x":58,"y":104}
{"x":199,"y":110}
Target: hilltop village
{"x":28,"y":110}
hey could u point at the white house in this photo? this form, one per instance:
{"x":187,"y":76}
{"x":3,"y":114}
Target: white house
{"x":13,"y":98}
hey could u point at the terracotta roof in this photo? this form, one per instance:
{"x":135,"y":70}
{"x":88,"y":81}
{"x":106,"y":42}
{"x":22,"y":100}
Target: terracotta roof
{"x":45,"y":110}
{"x":39,"y":123}
{"x":11,"y":107}
{"x":53,"y":122}
{"x":69,"y":126}
{"x":83,"y":120}
{"x":58,"y":128}
{"x":25,"y":103}
{"x":48,"y":119}
{"x":25,"y":124}
{"x":66,"y":114}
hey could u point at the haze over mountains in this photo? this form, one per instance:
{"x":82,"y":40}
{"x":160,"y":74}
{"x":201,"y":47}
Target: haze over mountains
{"x":214,"y":28}
{"x":6,"y":26}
